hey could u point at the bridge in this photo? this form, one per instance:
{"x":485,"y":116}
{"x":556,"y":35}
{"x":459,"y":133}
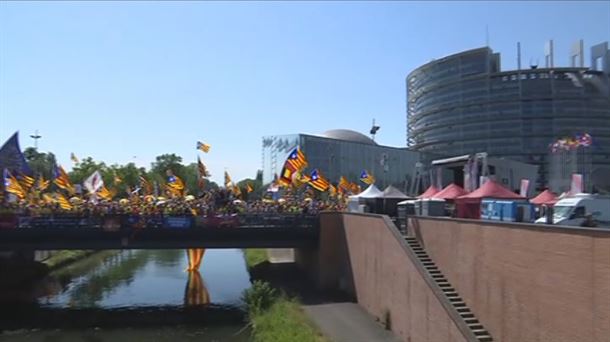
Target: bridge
{"x":244,"y":231}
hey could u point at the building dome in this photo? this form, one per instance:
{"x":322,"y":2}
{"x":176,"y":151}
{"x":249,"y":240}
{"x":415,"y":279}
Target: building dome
{"x":348,"y":135}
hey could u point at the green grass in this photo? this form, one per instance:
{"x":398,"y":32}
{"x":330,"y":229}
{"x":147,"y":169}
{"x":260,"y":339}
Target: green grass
{"x":284,"y":321}
{"x":65,"y":257}
{"x":255,"y":256}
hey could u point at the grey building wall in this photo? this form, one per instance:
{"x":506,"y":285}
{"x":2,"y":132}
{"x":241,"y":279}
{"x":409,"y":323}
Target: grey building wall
{"x":336,"y":158}
{"x":463,"y":104}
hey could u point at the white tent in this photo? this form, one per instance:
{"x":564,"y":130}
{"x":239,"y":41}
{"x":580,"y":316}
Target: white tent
{"x":392,"y":192}
{"x":371,"y":192}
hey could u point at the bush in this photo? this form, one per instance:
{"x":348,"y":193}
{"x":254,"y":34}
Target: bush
{"x":259,"y":297}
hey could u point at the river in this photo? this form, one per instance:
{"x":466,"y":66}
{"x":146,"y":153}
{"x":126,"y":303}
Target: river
{"x":134,"y":295}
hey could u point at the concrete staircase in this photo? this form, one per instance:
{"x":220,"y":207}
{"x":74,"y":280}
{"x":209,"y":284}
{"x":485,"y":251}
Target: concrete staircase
{"x":479,"y":333}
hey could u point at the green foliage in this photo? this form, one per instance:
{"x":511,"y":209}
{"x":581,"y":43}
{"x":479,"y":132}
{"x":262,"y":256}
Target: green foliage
{"x":255,"y":256}
{"x":40,"y":163}
{"x":284,"y":321}
{"x":259,"y":297}
{"x":86,"y":167}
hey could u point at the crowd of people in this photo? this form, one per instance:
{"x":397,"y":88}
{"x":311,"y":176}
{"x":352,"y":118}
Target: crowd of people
{"x":219,"y":202}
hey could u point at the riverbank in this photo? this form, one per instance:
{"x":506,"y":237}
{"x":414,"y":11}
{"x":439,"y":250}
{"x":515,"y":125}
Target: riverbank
{"x":283,"y":319}
{"x":64,"y":258}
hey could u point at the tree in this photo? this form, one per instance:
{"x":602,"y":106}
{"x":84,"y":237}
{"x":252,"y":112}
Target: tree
{"x":40,"y":163}
{"x":86,"y":167}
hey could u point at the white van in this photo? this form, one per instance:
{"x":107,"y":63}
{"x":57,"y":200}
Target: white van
{"x":573,"y":210}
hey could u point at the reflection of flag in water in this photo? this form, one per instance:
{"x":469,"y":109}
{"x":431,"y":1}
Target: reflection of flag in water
{"x":196,"y":293}
{"x":194,"y":256}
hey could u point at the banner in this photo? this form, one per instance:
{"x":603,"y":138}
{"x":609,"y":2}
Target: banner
{"x":525,"y":183}
{"x":576,"y":185}
{"x":94,"y":182}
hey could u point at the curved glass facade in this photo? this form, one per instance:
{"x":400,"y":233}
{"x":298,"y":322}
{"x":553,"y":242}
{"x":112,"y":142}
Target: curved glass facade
{"x":463,"y":104}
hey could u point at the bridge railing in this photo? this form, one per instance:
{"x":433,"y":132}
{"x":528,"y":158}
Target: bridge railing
{"x":115,"y":222}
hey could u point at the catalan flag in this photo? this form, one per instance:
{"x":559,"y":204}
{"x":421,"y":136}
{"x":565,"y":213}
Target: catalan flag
{"x":42,"y":184}
{"x":228,"y":181}
{"x":355,"y":188}
{"x":203,"y":171}
{"x":73,"y":158}
{"x":344,"y":184}
{"x":48,"y":199}
{"x":175,"y":185}
{"x":26,"y":181}
{"x":286,"y":175}
{"x":249,"y":188}
{"x":12,"y":186}
{"x":145,"y":186}
{"x":236,"y":191}
{"x":105,"y":194}
{"x":318,"y":182}
{"x":332,"y":190}
{"x":62,"y":180}
{"x":63,"y":201}
{"x":203,"y":147}
{"x":366,"y":177}
{"x":297,"y":159}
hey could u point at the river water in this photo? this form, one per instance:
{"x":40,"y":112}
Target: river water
{"x":135,"y":296}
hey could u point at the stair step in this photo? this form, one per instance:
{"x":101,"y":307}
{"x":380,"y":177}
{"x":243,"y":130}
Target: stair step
{"x":438,"y":277}
{"x":428,"y":263}
{"x":456,"y":300}
{"x":463,"y":311}
{"x":480,"y":332}
{"x":434,"y":271}
{"x":459,"y":305}
{"x":452,"y":295}
{"x":410,"y":238}
{"x":471,"y":320}
{"x":446,"y":286}
{"x":475,"y":326}
{"x":484,"y":338}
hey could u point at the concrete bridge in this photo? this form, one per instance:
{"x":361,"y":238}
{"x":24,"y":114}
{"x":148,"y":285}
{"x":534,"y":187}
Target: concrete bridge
{"x":249,"y":231}
{"x":443,"y":280}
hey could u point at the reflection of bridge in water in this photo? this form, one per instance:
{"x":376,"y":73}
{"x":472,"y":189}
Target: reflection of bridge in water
{"x":121,"y":232}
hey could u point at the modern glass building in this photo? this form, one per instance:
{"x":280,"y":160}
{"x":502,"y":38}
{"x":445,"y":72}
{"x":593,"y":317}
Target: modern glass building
{"x":464,"y":104}
{"x":339,"y":153}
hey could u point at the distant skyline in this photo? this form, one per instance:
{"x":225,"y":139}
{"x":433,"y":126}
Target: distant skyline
{"x":114,"y":80}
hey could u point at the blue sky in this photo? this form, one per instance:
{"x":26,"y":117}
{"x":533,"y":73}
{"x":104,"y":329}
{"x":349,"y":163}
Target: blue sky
{"x":116,"y":80}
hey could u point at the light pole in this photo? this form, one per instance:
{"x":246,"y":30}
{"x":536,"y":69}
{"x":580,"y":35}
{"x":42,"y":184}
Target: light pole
{"x":36,"y":136}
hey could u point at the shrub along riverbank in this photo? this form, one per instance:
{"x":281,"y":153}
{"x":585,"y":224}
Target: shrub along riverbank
{"x":65,"y":257}
{"x":273,"y":315}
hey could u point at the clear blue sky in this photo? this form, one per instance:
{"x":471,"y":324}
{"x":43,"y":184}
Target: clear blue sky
{"x":116,"y":80}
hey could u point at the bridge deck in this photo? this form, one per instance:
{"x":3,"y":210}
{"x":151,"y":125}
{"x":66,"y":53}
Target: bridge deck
{"x":248,"y":233}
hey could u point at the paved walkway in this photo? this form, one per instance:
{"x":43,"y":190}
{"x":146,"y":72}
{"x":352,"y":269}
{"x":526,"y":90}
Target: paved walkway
{"x":347,"y":322}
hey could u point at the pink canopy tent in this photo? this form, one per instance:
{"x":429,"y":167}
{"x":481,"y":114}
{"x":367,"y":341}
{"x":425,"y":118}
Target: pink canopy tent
{"x":469,"y":206}
{"x":429,"y":192}
{"x":451,"y":192}
{"x":546,"y":197}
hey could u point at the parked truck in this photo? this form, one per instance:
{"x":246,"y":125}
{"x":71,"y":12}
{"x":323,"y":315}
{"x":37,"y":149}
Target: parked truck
{"x":573,"y":211}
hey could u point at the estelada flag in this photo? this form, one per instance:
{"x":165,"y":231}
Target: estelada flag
{"x":297,"y":159}
{"x":318,"y":181}
{"x":12,"y":186}
{"x":367,"y":178}
{"x":61,"y":179}
{"x":203,"y":171}
{"x":203,"y":147}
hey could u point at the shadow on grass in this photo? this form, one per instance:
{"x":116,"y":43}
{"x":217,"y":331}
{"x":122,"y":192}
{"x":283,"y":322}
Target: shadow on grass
{"x":294,"y":282}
